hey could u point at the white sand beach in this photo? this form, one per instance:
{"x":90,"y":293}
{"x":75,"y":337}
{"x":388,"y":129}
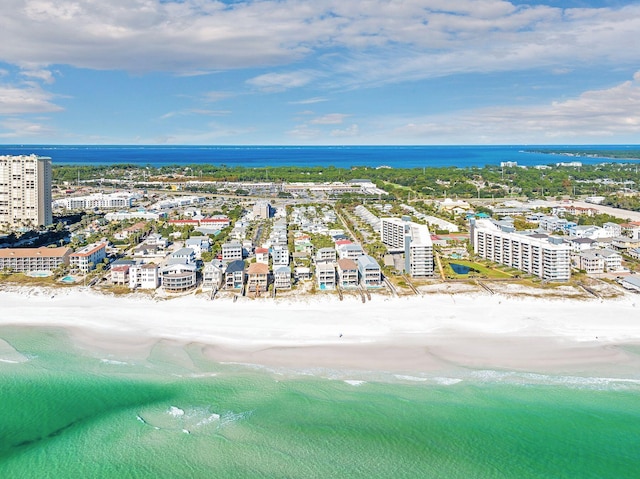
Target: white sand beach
{"x":432,"y":333}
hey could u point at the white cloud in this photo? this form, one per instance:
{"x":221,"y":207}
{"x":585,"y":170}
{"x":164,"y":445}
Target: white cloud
{"x":308,"y":101}
{"x":194,"y":111}
{"x":19,"y":128}
{"x":276,"y":82}
{"x":367,"y":42}
{"x":304,"y":133}
{"x":214,"y":96}
{"x":592,"y":117}
{"x":351,"y":131}
{"x":29,"y":99}
{"x":330,"y":119}
{"x":41,"y":74}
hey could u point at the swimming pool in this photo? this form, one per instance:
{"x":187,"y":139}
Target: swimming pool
{"x":68,"y":279}
{"x":40,"y":274}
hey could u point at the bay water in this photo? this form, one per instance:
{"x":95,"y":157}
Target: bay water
{"x":256,"y":156}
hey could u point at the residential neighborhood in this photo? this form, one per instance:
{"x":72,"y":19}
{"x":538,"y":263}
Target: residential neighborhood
{"x":175,"y":243}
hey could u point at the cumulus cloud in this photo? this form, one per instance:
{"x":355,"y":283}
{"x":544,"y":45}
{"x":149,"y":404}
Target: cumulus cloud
{"x":598,"y":114}
{"x":28,"y":99}
{"x":370,"y":42}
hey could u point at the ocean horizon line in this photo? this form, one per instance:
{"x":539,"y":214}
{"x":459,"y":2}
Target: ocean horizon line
{"x":362,"y":145}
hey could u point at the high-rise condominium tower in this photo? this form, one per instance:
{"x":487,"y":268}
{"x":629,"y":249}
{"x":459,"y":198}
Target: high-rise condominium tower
{"x":25,"y":191}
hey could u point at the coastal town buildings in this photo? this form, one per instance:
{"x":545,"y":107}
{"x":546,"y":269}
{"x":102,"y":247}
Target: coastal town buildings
{"x":412,"y":239}
{"x":213,"y":275}
{"x":97,"y":200}
{"x":326,"y":276}
{"x":120,"y":274}
{"x":144,"y":276}
{"x":326,"y":255}
{"x":199,"y":245}
{"x":87,"y":258}
{"x":186,"y":255}
{"x":232,"y":251}
{"x":369,"y":272}
{"x":262,"y":255}
{"x":177,"y":277}
{"x":280,"y":255}
{"x":26,"y":260}
{"x":282,"y":277}
{"x":595,"y":261}
{"x":257,"y":277}
{"x":25,"y":191}
{"x":537,"y":254}
{"x":234,"y":275}
{"x":347,"y":273}
{"x":262,"y":210}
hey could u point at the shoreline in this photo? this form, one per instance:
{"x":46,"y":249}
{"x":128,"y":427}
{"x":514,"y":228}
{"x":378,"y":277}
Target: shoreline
{"x":441,"y":333}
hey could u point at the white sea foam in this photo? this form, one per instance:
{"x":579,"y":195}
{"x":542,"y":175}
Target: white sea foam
{"x":355,"y":382}
{"x":113,"y":361}
{"x":175,"y":411}
{"x":410,"y":378}
{"x":443,"y":381}
{"x":447,"y":381}
{"x":209,"y":419}
{"x":580,"y":382}
{"x":9,"y":361}
{"x":231,"y":417}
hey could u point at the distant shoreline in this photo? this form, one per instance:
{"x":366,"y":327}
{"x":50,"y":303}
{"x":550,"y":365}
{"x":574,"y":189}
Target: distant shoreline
{"x":633,"y":155}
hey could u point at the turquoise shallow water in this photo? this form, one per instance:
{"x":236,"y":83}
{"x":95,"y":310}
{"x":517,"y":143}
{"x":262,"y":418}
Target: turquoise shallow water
{"x":68,"y":413}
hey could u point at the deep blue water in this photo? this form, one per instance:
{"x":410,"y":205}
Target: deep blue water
{"x":338,"y":156}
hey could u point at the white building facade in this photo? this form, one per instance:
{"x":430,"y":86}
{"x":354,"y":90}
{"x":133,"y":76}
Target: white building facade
{"x":545,"y":257}
{"x":400,"y":235}
{"x":25,"y":191}
{"x":87,"y":258}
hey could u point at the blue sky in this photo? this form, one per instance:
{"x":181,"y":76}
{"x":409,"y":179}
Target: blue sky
{"x":319,"y":72}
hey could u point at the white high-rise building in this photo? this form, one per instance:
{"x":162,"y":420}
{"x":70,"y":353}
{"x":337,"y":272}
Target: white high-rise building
{"x":402,"y":235}
{"x":538,"y":254}
{"x":25,"y":191}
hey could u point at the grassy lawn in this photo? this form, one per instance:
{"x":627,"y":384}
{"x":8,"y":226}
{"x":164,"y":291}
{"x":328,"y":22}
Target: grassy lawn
{"x":24,"y":280}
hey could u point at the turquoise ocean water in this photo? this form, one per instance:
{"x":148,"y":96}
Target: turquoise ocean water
{"x":69,"y":412}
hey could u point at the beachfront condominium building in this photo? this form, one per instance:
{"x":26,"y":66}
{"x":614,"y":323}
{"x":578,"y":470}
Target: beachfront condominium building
{"x":392,"y":233}
{"x":412,"y":239}
{"x":144,"y":276}
{"x":544,"y":256}
{"x":25,"y":191}
{"x":26,"y":260}
{"x":418,"y":254}
{"x":87,"y":258}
